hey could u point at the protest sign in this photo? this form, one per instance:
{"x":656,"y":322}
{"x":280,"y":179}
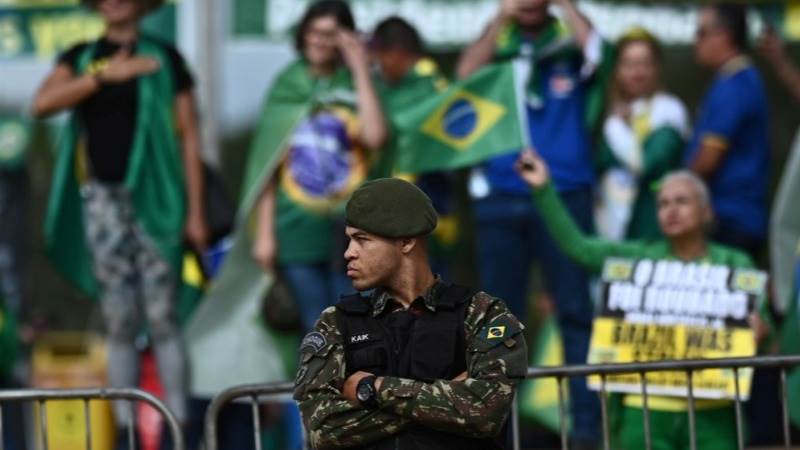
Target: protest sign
{"x":671,"y":310}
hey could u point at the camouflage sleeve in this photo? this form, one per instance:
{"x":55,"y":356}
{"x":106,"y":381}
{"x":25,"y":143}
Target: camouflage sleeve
{"x":479,"y":405}
{"x":331,"y":421}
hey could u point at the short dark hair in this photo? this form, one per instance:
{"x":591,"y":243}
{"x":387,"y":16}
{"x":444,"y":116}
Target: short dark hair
{"x":732,"y":17}
{"x":338,"y":9}
{"x":397,"y":33}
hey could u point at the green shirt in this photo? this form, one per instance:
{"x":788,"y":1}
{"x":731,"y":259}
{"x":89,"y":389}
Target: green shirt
{"x":321,"y":163}
{"x":421,"y":82}
{"x":304,"y":237}
{"x":591,"y":252}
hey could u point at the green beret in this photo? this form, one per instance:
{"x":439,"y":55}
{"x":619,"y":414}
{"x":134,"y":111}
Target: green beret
{"x":392,"y":208}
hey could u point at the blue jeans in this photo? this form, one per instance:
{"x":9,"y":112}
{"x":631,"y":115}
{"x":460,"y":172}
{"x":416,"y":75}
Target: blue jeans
{"x":314,"y":288}
{"x":511,"y":235}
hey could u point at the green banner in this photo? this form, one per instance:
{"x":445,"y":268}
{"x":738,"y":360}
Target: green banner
{"x":44,"y":28}
{"x":448,"y":23}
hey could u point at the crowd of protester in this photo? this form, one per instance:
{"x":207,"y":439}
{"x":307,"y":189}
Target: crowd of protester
{"x":620,"y":168}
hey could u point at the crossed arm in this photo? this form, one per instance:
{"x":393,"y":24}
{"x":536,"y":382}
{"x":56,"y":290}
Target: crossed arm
{"x":474,"y":405}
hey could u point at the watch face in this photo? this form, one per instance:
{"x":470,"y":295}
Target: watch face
{"x":363,"y":392}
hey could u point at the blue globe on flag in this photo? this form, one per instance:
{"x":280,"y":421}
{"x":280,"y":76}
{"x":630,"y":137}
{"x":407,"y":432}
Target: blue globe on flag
{"x":323,"y":164}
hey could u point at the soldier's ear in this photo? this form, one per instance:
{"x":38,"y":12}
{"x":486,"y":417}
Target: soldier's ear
{"x":407,"y":245}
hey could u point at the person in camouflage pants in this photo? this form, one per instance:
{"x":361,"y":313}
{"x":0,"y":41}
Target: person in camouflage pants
{"x":417,"y":363}
{"x":128,"y":266}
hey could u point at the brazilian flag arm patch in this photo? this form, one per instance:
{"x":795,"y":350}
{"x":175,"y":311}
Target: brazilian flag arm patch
{"x":496,"y":332}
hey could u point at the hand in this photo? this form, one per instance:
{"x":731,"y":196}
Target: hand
{"x":265,"y":251}
{"x":532,"y":169}
{"x":352,"y":50}
{"x":508,"y":11}
{"x":196,"y":232}
{"x":123,"y":67}
{"x":759,"y":327}
{"x":461,"y":377}
{"x":351,"y":383}
{"x":771,"y":47}
{"x":623,"y":110}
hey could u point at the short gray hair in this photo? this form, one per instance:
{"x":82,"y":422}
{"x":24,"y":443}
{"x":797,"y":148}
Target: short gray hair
{"x":690,"y":177}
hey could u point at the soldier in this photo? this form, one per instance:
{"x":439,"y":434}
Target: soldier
{"x":416,"y":363}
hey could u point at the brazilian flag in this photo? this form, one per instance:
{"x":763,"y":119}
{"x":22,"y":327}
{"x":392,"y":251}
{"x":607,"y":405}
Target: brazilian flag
{"x":472,"y":120}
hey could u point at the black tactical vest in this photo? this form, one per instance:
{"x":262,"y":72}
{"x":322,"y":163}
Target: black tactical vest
{"x":423,"y":347}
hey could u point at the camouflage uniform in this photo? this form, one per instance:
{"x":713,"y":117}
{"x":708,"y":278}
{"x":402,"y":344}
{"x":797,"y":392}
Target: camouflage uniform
{"x":496,"y":360}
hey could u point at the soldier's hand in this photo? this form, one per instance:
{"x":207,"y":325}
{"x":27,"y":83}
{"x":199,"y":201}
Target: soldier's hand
{"x":532,"y":169}
{"x":350,"y":385}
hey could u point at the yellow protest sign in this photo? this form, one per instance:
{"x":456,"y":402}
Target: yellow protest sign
{"x":670,"y":310}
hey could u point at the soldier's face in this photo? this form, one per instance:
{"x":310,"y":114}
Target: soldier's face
{"x":371,"y":259}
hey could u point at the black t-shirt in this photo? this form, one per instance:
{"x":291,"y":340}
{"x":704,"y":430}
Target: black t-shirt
{"x":109,"y":116}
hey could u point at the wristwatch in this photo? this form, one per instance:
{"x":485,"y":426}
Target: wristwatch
{"x":366,"y":393}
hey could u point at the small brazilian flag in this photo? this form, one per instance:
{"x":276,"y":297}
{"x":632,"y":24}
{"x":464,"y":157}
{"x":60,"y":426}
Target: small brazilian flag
{"x":471,"y":121}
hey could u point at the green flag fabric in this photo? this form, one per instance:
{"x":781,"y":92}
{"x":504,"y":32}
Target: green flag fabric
{"x":420,"y":83}
{"x":471,"y":121}
{"x":294,"y":95}
{"x":785,"y":271}
{"x":299,"y":111}
{"x":154,"y":178}
{"x":784,"y":230}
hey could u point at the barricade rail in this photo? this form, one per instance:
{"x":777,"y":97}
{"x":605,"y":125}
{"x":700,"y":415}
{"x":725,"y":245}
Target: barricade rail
{"x":41,"y":396}
{"x":276,"y":392}
{"x":257,"y":393}
{"x":279,"y":392}
{"x":687,"y":366}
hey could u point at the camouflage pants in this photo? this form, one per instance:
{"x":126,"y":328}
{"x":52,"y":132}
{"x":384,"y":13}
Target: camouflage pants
{"x":133,"y":278}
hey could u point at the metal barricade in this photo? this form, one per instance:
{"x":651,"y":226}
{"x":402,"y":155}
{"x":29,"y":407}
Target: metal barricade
{"x":257,"y":393}
{"x":687,"y":366}
{"x":41,"y":396}
{"x":262,"y":393}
